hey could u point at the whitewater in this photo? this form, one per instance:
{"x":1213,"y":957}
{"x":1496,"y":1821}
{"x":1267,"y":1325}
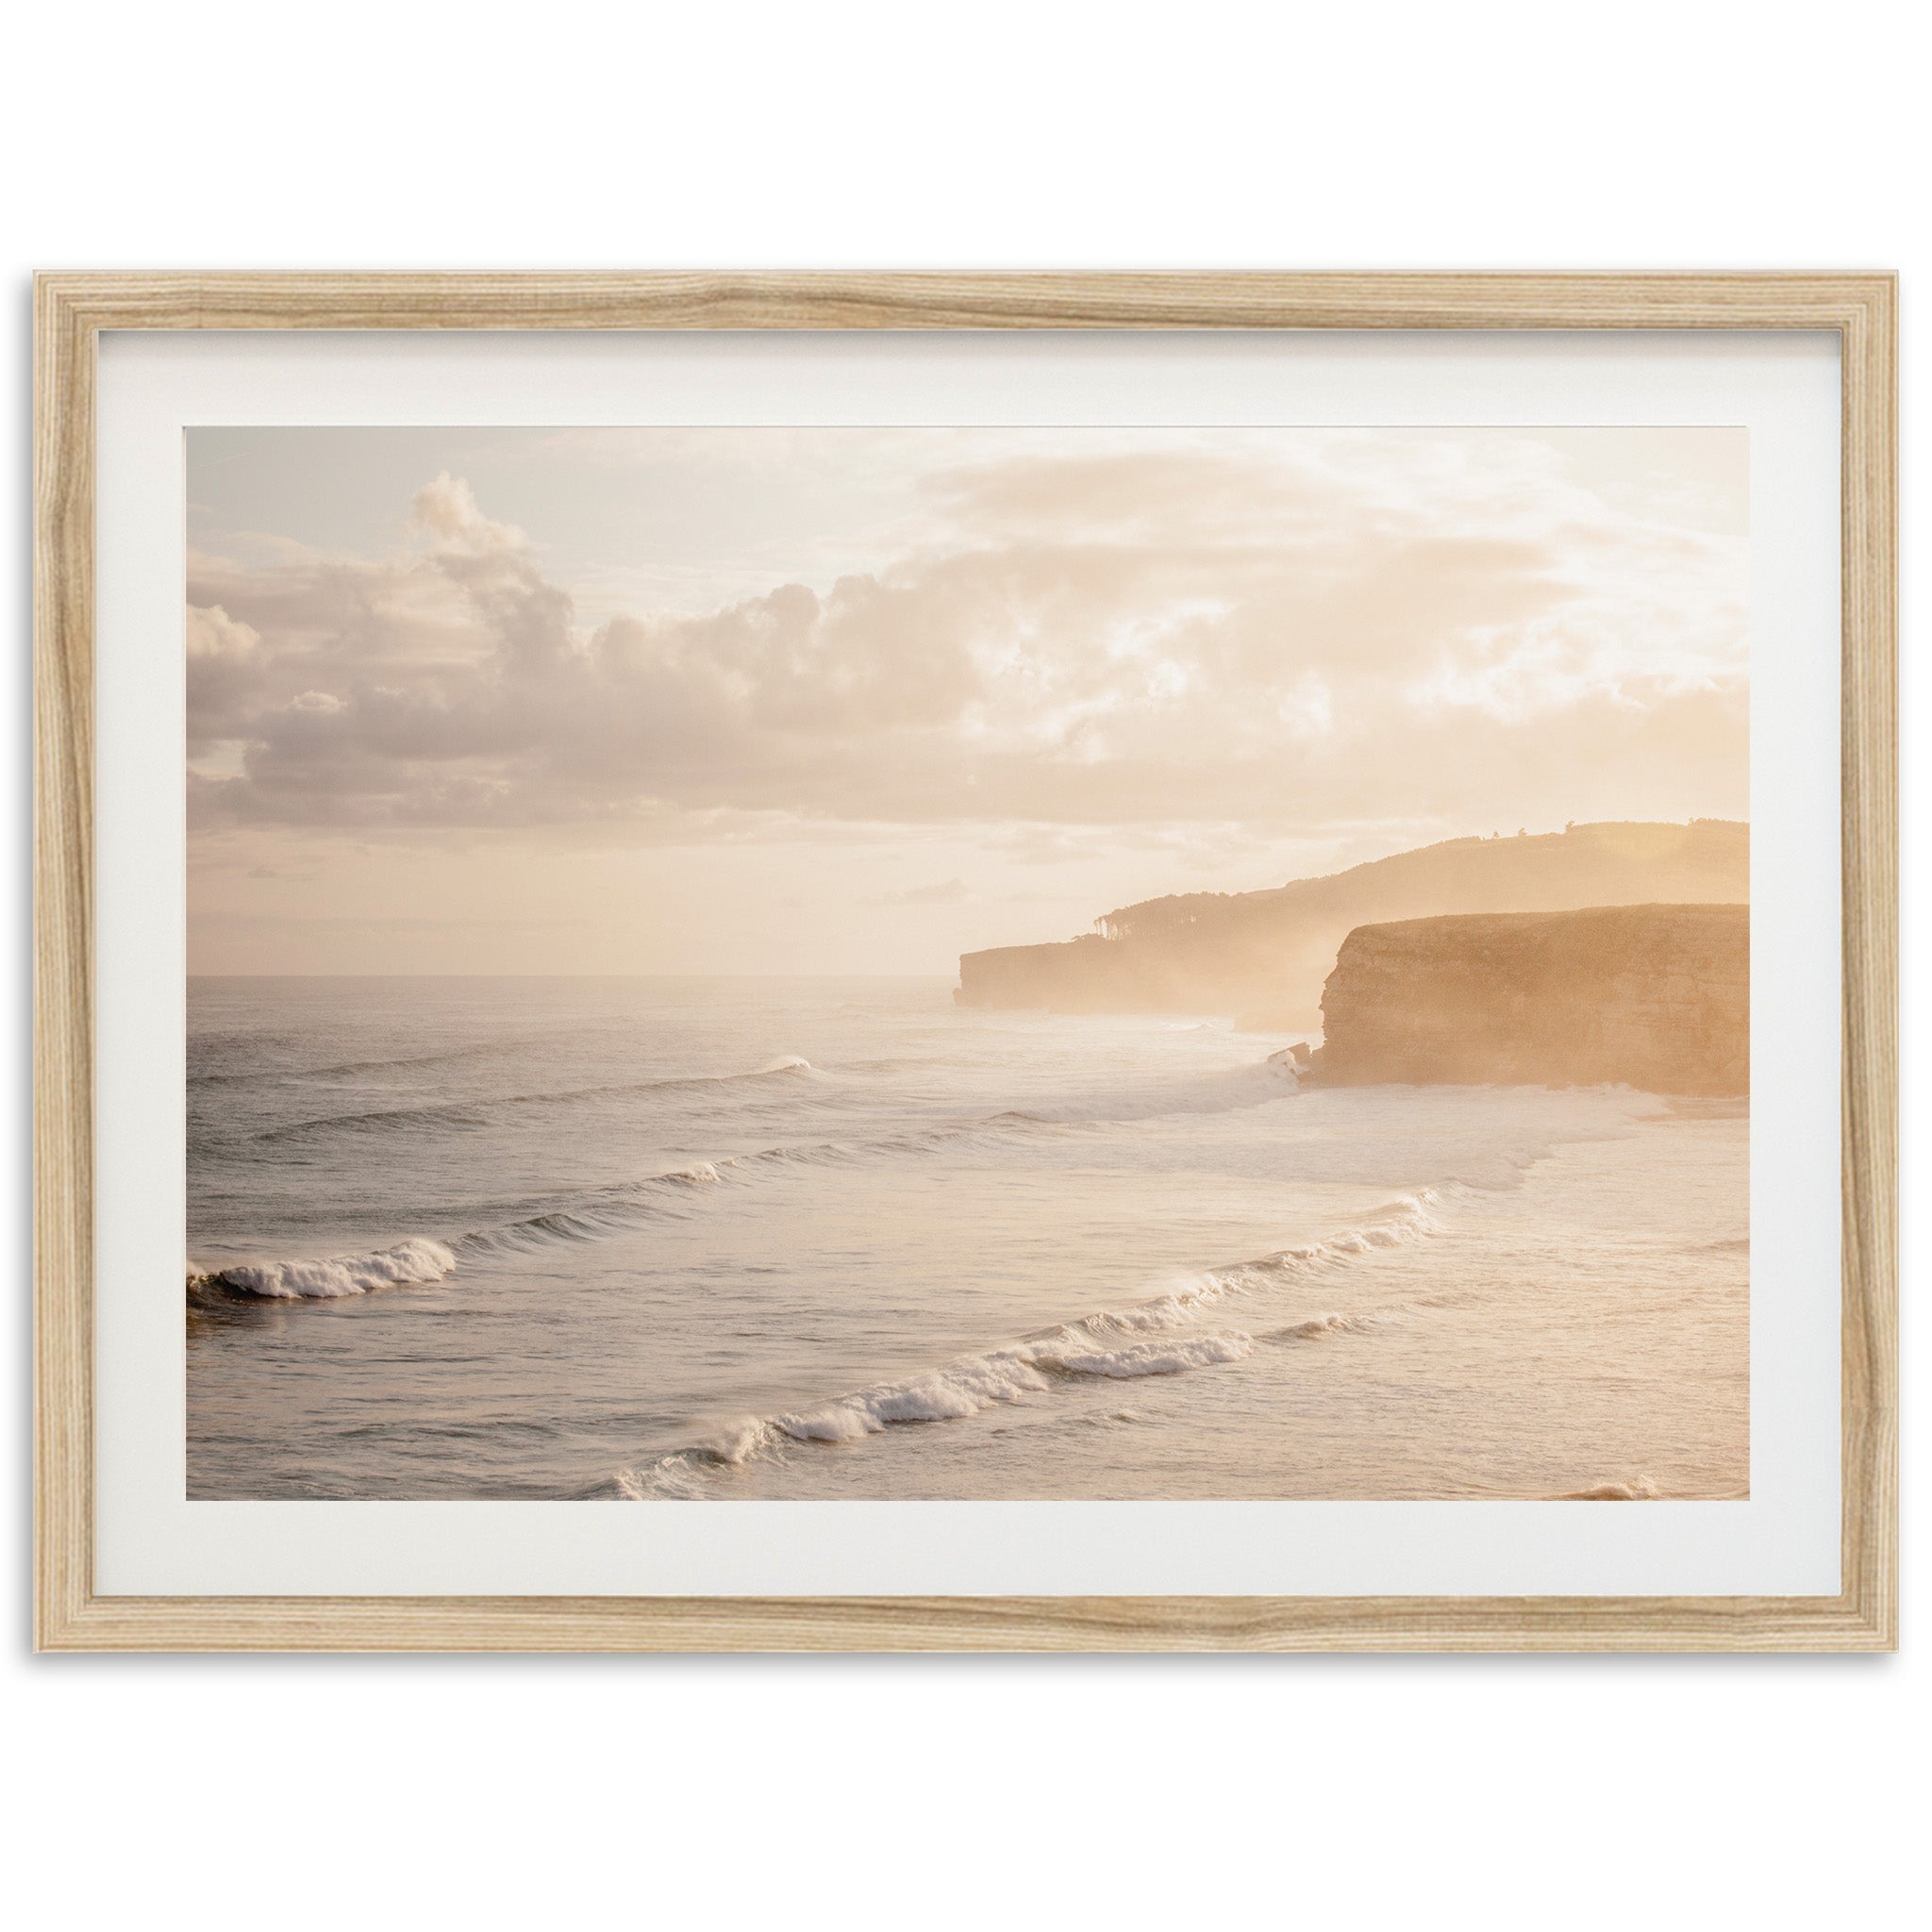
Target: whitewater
{"x":660,"y":1241}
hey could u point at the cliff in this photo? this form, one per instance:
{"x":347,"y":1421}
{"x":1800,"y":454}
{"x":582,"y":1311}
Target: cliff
{"x":1655,"y":996}
{"x":1262,"y":957}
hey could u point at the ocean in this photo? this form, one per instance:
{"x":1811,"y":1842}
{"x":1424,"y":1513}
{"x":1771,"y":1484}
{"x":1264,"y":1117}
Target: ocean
{"x":660,"y":1240}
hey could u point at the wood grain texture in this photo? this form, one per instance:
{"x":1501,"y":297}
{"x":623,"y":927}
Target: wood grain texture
{"x":957,"y":1623}
{"x":63,"y":963}
{"x":830,"y":301}
{"x":71,"y":310}
{"x":1869,"y":1087}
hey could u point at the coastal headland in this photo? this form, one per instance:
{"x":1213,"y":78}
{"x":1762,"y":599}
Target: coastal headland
{"x":1656,"y":997}
{"x":1262,"y":958}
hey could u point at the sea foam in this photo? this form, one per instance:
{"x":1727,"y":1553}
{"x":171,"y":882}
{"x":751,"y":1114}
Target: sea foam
{"x":337,"y":1276}
{"x":1096,"y":1345}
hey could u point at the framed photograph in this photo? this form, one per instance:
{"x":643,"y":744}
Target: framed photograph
{"x":966,"y":962}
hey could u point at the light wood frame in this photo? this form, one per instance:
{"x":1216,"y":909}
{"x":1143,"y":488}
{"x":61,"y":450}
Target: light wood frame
{"x":71,"y":312}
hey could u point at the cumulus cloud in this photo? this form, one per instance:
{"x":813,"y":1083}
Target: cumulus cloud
{"x":224,"y":674}
{"x":1347,"y":626}
{"x":446,"y":512}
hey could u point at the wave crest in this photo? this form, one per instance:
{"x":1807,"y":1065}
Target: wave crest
{"x":967,"y":1386}
{"x":1115,"y":1344}
{"x":408,"y":1262}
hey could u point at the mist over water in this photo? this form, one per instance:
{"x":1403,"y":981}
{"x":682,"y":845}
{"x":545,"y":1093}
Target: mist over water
{"x":717,"y":1239}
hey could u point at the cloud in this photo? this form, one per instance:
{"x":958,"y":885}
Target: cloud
{"x":1356,"y":625}
{"x":225,"y":676}
{"x":445,"y":510}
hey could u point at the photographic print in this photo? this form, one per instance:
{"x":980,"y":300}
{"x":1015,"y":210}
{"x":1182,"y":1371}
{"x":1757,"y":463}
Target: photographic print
{"x":968,"y":964}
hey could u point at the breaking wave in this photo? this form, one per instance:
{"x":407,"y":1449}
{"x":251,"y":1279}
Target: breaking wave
{"x":616,"y":1209}
{"x":1097,"y":1345}
{"x":421,"y":1259}
{"x":963,"y":1388}
{"x":593,"y":1215}
{"x":410,"y":1261}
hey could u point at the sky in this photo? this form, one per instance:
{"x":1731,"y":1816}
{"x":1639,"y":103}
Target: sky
{"x":851,"y":700}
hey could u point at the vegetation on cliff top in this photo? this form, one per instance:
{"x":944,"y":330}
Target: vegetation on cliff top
{"x":1262,"y":956}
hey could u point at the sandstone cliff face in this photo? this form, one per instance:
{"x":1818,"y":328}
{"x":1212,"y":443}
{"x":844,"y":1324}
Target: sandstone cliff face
{"x":1260,"y":957}
{"x":1655,"y":996}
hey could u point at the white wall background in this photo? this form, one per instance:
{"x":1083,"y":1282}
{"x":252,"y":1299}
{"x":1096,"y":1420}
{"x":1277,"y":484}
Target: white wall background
{"x":1343,"y":1792}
